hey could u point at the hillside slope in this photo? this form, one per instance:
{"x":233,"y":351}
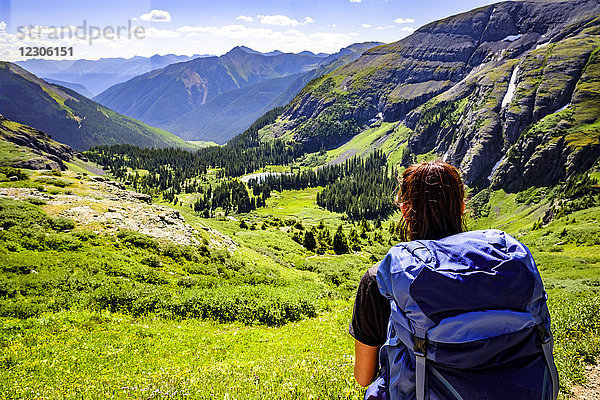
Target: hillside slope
{"x":449,"y":84}
{"x":69,"y":117}
{"x":22,"y":146}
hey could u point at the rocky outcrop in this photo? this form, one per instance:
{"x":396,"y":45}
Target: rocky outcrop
{"x":50,"y":154}
{"x":480,"y":119}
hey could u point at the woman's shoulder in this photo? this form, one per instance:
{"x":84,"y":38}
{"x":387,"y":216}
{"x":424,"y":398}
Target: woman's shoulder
{"x":370,"y":276}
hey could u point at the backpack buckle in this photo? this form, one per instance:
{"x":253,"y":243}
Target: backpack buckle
{"x":420,"y":348}
{"x":543,"y":333}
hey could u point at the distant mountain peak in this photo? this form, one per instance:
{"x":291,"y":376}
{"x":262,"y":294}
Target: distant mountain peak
{"x":238,"y":49}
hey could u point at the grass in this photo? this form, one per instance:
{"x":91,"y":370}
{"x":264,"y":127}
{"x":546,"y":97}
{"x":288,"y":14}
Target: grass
{"x":99,"y":318}
{"x":107,"y":355}
{"x":389,"y":137}
{"x":11,"y":153}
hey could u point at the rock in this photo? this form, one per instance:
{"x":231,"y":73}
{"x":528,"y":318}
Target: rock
{"x":146,"y":198}
{"x":117,"y":184}
{"x":39,"y":163}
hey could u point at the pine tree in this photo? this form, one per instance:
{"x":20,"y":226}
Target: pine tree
{"x":309,"y":239}
{"x":340,"y":244}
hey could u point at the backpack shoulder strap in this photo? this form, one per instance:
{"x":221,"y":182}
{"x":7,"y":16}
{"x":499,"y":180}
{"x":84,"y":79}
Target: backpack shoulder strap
{"x":547,"y":347}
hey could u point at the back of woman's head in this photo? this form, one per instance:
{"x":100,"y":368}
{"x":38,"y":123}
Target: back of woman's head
{"x":431,"y":197}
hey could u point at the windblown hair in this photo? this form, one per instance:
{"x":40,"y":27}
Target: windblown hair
{"x":433,"y":195}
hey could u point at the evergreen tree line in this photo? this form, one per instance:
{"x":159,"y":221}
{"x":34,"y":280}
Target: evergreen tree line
{"x":360,"y":187}
{"x":231,"y":196}
{"x":319,"y":239}
{"x":171,"y":168}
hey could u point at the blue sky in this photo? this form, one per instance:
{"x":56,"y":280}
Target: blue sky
{"x":211,"y":27}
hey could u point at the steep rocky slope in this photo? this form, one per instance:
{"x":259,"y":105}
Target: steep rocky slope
{"x":523,"y":122}
{"x":40,"y":151}
{"x":472,"y":88}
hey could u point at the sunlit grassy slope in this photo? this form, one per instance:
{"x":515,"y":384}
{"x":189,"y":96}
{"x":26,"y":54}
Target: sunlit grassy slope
{"x":87,"y":351}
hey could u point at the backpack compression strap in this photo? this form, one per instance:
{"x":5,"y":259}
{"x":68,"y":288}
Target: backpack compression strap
{"x":420,"y":351}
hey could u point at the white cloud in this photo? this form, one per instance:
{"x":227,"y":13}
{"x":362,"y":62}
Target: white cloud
{"x":366,"y":25}
{"x":244,"y":18}
{"x":407,"y":29}
{"x":228,"y":31}
{"x":404,"y":20}
{"x":161,"y":33}
{"x":156,"y":16}
{"x":282,"y":20}
{"x":266,"y":39}
{"x":355,"y":1}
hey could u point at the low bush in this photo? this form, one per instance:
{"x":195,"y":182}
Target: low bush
{"x":137,"y":239}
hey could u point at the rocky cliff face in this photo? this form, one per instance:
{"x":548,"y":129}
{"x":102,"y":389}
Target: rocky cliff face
{"x":49,"y":154}
{"x":515,"y":122}
{"x":485,"y":90}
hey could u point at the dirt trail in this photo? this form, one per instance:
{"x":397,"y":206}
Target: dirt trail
{"x":591,"y":391}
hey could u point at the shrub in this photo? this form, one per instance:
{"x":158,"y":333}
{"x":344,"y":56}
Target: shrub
{"x":61,"y":223}
{"x":62,"y":242}
{"x":10,"y":172}
{"x":22,"y":214}
{"x":137,"y":239}
{"x":152,"y":261}
{"x":54,"y":181}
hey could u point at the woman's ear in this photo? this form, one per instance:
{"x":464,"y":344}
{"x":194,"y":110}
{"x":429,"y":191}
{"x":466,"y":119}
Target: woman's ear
{"x":403,"y":209}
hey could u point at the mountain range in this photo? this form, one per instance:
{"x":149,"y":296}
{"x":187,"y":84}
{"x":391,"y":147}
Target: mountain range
{"x":98,"y":75}
{"x":508,"y":92}
{"x":215,"y":98}
{"x":69,"y":117}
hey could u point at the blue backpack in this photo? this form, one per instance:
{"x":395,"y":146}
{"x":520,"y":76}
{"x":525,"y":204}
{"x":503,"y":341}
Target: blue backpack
{"x":468,"y":321}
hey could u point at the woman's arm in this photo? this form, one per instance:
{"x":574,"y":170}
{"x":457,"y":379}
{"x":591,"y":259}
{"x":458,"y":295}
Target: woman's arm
{"x":365,"y":363}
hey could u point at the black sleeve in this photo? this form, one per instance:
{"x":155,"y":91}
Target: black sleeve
{"x":371,"y":312}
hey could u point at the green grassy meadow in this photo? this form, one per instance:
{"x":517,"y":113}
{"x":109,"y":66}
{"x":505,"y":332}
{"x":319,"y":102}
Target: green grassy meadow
{"x":119,"y":314}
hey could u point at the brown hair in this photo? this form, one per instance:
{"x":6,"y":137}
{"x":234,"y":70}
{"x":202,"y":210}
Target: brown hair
{"x":433,"y":195}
